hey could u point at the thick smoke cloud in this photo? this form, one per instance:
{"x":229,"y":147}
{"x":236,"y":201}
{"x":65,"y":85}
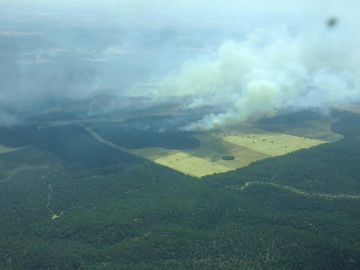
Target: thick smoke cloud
{"x":228,"y":56}
{"x":271,"y":72}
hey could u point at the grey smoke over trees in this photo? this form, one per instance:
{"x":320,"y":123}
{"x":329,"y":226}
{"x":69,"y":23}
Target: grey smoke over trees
{"x":245,"y":60}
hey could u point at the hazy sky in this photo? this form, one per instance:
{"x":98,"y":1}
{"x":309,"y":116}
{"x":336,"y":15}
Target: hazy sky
{"x":218,"y":10}
{"x":182,"y":6}
{"x":60,"y":52}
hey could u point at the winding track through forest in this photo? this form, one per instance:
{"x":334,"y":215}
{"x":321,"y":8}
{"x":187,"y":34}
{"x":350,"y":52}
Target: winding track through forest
{"x":104,"y":141}
{"x":248,"y":184}
{"x":48,"y":203}
{"x":296,"y":191}
{"x":20,"y":169}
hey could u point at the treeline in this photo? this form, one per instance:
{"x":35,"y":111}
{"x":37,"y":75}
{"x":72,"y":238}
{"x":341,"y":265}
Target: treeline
{"x":145,"y":216}
{"x":134,"y":138}
{"x":327,"y":168}
{"x":71,"y":143}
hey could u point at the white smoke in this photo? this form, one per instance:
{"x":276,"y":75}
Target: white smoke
{"x":269,"y":72}
{"x":120,"y":49}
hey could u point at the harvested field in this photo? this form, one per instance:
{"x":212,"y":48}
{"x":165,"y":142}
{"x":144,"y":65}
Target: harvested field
{"x":191,"y":165}
{"x":272,"y":144}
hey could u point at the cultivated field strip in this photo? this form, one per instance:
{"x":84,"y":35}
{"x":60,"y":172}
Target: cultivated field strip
{"x":179,"y":161}
{"x":272,"y":144}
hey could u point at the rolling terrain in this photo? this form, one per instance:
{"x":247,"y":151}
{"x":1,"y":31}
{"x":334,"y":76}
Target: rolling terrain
{"x":70,"y":201}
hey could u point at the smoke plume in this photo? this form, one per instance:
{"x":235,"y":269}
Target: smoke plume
{"x":268,"y":72}
{"x":230,"y":61}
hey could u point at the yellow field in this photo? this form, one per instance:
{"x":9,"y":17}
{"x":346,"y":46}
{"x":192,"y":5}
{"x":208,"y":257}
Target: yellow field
{"x":200,"y":162}
{"x":191,"y":165}
{"x":207,"y":158}
{"x":243,"y":157}
{"x":272,"y":144}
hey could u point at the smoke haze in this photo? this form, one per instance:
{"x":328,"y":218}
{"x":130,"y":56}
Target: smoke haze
{"x":242,"y":60}
{"x":268,"y":72}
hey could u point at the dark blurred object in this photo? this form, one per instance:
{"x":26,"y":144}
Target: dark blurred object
{"x":332,"y":22}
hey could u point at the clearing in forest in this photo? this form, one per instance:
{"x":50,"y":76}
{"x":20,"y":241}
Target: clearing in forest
{"x":208,"y":157}
{"x":191,"y":165}
{"x":271,"y":144}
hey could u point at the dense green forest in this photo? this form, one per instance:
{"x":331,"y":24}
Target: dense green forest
{"x":72,"y":144}
{"x":121,"y":212}
{"x":133,"y":138}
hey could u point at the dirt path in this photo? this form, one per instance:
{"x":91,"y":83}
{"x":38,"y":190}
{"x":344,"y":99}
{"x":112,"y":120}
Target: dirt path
{"x":20,"y":169}
{"x":296,"y":191}
{"x":48,"y":203}
{"x":104,"y":141}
